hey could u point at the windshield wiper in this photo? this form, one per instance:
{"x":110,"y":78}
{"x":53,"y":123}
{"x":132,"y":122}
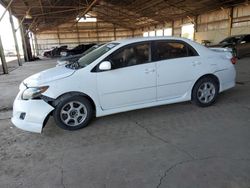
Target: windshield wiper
{"x":74,"y":65}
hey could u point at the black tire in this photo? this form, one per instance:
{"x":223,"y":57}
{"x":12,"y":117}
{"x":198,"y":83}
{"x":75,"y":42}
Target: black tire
{"x":199,"y":95}
{"x":74,"y":112}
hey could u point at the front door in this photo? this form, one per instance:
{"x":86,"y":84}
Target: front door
{"x":132,"y":79}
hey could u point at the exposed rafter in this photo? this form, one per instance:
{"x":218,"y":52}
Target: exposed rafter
{"x":131,"y":14}
{"x":89,"y":7}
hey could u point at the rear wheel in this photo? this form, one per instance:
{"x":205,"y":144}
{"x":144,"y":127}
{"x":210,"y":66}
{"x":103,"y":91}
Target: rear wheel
{"x":205,"y":92}
{"x":73,"y":112}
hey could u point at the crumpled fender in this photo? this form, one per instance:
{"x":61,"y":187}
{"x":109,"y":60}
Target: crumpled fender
{"x":35,"y":111}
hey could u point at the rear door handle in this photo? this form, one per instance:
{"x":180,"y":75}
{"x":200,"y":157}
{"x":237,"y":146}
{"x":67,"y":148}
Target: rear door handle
{"x":147,"y":71}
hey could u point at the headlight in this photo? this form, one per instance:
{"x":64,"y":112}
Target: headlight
{"x":63,"y":53}
{"x":33,"y":92}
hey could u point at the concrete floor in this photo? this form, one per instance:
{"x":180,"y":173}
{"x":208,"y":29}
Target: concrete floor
{"x":178,"y":145}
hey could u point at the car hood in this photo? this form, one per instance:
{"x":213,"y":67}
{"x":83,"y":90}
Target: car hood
{"x":70,"y":58}
{"x":49,"y":75}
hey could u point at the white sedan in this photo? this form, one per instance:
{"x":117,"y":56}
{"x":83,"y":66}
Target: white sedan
{"x":121,"y":76}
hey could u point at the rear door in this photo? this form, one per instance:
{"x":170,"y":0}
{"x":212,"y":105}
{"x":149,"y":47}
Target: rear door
{"x":176,"y":64}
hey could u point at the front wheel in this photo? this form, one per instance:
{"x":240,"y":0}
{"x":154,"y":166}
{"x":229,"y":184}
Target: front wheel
{"x":73,"y":112}
{"x":205,"y":92}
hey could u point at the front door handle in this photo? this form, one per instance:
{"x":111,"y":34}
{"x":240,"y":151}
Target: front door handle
{"x":196,"y":63}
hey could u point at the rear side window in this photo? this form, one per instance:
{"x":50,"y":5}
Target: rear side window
{"x":172,"y":49}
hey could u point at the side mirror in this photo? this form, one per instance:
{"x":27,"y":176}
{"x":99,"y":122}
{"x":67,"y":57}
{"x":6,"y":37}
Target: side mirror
{"x":105,"y":65}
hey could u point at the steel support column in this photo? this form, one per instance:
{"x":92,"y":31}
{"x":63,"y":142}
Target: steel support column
{"x":114,"y":27}
{"x":36,"y":45}
{"x":172,"y":25}
{"x":25,"y":50}
{"x":32,"y":43}
{"x":195,"y":27}
{"x":97,"y":33}
{"x":78,"y":35}
{"x":230,"y":21}
{"x":58,"y":36}
{"x":15,"y":39}
{"x":4,"y":64}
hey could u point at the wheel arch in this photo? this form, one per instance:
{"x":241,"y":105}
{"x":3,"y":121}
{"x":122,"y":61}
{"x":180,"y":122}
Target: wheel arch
{"x":76,"y":93}
{"x":214,"y":77}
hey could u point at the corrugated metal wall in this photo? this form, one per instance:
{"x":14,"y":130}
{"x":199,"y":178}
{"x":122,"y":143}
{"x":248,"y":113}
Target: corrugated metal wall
{"x":81,"y":33}
{"x":214,"y":26}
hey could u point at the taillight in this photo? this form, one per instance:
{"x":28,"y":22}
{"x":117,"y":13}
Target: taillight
{"x":233,"y":60}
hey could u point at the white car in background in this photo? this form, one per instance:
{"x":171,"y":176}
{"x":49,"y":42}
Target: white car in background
{"x":121,"y":76}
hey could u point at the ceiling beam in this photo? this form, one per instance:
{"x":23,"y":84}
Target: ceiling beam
{"x":46,"y":6}
{"x":89,"y":7}
{"x":103,"y":16}
{"x":41,"y":6}
{"x":54,"y":12}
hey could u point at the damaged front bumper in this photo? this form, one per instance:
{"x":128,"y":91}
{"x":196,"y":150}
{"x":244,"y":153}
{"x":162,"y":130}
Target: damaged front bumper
{"x":29,"y":115}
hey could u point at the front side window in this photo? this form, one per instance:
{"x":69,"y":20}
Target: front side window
{"x":168,"y":50}
{"x":130,"y":55}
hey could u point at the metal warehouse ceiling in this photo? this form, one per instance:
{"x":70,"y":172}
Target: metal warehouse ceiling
{"x":132,"y":14}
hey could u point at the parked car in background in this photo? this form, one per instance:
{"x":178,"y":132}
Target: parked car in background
{"x":75,"y":58}
{"x":55,"y":51}
{"x":77,"y":50}
{"x":121,"y":76}
{"x":240,"y":45}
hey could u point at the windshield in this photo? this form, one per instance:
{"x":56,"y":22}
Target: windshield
{"x":95,"y":54}
{"x":91,"y":49}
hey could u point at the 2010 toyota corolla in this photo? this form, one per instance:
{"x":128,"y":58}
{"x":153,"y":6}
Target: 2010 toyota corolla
{"x":121,"y":76}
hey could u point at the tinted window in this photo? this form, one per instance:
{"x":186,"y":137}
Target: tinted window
{"x":246,"y":39}
{"x":130,"y":55}
{"x":169,"y":50}
{"x":230,"y":40}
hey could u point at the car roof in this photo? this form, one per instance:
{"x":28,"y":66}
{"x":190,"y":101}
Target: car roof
{"x":198,"y":47}
{"x":144,"y":39}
